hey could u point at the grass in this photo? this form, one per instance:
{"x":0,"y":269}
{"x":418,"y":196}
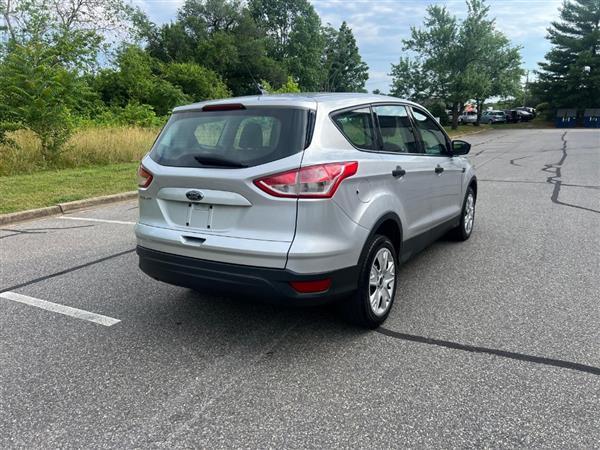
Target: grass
{"x":21,"y":192}
{"x":538,"y":122}
{"x":87,"y":147}
{"x":466,"y":129}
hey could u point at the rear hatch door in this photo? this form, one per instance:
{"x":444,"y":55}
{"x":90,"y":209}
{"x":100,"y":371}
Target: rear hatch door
{"x":204,"y":165}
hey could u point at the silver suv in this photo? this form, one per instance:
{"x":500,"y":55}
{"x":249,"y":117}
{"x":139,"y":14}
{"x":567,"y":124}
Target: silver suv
{"x":306,"y":198}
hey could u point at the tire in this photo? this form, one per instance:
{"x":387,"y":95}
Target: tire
{"x":359,"y":308}
{"x":467,"y":218}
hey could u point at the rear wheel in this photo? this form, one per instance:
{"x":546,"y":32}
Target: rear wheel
{"x":373,"y":300}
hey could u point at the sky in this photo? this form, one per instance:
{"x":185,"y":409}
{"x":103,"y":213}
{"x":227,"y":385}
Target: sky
{"x":380,"y":25}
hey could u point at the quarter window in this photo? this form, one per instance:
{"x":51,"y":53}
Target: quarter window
{"x":434,"y":139}
{"x":357,"y":126}
{"x":396,"y":130}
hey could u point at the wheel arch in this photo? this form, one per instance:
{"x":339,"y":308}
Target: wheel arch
{"x":473,"y":185}
{"x":388,"y":225}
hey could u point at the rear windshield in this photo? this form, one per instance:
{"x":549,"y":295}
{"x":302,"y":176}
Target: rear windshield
{"x":239,"y":138}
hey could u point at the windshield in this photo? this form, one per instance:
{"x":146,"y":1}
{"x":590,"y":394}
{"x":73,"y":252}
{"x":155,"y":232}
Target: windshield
{"x":230,"y":139}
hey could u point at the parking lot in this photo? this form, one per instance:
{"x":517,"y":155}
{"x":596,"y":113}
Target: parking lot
{"x":491,"y":343}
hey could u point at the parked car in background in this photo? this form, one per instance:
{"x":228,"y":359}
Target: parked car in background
{"x":524,"y":116}
{"x":511,"y":115}
{"x":493,"y":117}
{"x":528,"y":109}
{"x":468,"y":117}
{"x":303,"y":198}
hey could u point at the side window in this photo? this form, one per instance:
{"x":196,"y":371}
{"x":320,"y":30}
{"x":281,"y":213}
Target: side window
{"x":357,"y":126}
{"x":396,"y":129}
{"x":433,"y":137}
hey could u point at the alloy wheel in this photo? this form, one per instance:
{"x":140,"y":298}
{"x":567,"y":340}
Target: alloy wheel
{"x":469,"y":213}
{"x":382,"y":279}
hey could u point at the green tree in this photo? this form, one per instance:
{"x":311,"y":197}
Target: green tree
{"x":137,"y":79}
{"x":441,"y":56}
{"x":295,"y":39}
{"x":343,"y":65}
{"x":170,"y":42}
{"x":220,"y":35}
{"x":456,"y":61}
{"x":38,"y":93}
{"x":76,"y":29}
{"x":411,"y":81}
{"x":197,"y":82}
{"x":289,"y":87}
{"x":495,"y":69}
{"x":570,"y":76}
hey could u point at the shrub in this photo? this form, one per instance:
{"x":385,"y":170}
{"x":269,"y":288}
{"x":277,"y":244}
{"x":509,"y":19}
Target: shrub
{"x":289,"y":87}
{"x":38,"y":94}
{"x":197,"y":82}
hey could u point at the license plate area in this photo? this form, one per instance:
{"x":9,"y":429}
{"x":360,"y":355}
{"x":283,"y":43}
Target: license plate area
{"x":200,"y":215}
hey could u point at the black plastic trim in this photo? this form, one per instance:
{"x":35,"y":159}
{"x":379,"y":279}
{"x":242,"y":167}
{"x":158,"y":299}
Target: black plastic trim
{"x":310,"y":127}
{"x":418,"y":243}
{"x":262,"y":283}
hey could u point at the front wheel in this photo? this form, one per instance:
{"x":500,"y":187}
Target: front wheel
{"x":467,"y":219}
{"x":373,"y":300}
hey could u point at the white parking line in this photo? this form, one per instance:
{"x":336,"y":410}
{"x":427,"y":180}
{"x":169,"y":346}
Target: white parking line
{"x":89,"y":219}
{"x":66,"y":310}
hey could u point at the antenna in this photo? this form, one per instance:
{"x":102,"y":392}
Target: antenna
{"x":259,"y":87}
{"x":262,"y":89}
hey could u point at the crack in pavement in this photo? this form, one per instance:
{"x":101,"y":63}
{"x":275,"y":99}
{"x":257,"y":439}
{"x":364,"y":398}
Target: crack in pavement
{"x":555,"y":178}
{"x":512,"y":161}
{"x":584,"y":186}
{"x":491,"y":351}
{"x":17,"y":232}
{"x":65,"y":271}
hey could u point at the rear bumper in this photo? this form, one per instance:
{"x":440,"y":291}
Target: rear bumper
{"x":263,"y":283}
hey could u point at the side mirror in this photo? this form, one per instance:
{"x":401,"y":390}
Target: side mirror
{"x":460,"y":148}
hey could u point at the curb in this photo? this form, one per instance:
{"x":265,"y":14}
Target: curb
{"x":62,"y":208}
{"x":78,"y":204}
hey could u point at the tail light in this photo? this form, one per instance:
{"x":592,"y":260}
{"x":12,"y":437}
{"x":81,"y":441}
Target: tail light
{"x":319,"y":181}
{"x":144,"y":177}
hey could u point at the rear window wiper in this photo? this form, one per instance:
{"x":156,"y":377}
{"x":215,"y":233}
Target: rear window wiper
{"x":216,"y":161}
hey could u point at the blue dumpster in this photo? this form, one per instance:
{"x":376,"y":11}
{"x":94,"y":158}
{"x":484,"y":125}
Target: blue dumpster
{"x":566,"y":118}
{"x":591,"y":118}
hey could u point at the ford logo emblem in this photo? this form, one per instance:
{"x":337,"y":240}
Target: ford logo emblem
{"x":194,"y":195}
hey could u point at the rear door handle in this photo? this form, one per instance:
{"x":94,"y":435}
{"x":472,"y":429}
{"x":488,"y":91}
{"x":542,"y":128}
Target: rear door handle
{"x":398,"y":172}
{"x":439,"y":169}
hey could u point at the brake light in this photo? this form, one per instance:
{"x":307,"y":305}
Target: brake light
{"x":144,"y":177}
{"x":224,"y":107}
{"x":311,"y":287}
{"x":319,"y":181}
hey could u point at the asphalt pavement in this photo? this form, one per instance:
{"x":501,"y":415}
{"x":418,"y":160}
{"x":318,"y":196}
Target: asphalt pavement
{"x":492,"y":343}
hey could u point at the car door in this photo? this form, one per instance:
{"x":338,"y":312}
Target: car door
{"x":444,"y":170}
{"x":406,"y":171}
